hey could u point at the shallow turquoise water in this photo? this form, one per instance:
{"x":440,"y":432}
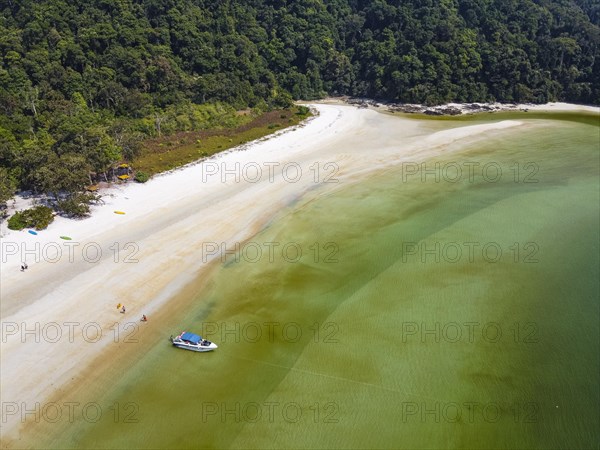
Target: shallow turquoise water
{"x":422,"y":313}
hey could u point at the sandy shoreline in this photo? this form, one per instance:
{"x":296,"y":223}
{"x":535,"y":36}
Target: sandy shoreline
{"x":172,"y":230}
{"x":453,"y":109}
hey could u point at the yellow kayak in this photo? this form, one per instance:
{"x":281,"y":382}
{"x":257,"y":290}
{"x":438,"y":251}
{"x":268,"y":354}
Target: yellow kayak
{"x":119,"y":212}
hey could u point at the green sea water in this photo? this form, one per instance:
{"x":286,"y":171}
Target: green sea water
{"x":427,"y":309}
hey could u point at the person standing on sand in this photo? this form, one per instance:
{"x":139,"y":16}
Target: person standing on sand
{"x":123,"y":310}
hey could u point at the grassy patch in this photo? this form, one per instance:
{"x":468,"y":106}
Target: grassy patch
{"x":169,"y":152}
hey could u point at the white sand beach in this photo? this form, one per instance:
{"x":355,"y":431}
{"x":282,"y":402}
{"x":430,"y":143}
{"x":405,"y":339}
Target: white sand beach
{"x":59,"y":314}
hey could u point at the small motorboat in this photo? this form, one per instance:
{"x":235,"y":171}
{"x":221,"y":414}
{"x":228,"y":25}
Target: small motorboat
{"x":191,"y":341}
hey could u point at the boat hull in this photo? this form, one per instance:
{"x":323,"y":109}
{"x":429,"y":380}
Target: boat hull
{"x":195,"y":348}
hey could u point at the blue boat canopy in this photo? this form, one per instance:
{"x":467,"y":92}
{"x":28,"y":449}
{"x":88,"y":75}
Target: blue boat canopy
{"x":191,"y":337}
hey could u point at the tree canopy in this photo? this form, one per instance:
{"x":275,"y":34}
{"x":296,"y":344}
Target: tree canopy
{"x":82,"y":82}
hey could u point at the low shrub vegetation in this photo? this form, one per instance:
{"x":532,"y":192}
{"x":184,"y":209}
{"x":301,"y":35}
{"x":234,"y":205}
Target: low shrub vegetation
{"x":38,"y":217}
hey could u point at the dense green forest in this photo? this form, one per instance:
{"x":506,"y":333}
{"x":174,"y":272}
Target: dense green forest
{"x":83,"y":83}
